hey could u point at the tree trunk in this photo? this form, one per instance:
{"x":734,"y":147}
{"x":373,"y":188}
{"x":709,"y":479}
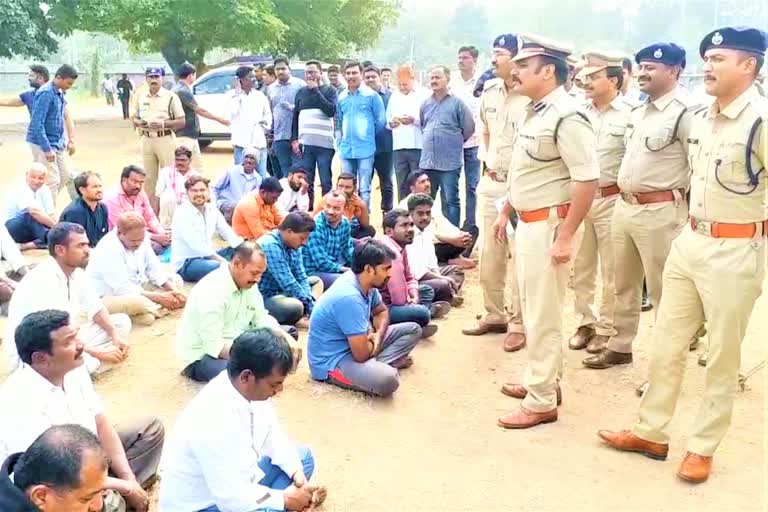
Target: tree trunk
{"x":175,"y":55}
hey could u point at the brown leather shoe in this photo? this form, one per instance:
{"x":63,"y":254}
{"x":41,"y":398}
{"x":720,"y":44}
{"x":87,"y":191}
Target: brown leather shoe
{"x":626,"y":441}
{"x":583,"y":335}
{"x":525,"y":418}
{"x":518,"y":391}
{"x":695,"y":468}
{"x":514,"y":342}
{"x":484,"y":328}
{"x":606,"y":359}
{"x":597,"y":344}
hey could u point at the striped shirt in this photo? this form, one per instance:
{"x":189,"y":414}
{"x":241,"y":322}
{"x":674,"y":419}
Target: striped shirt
{"x":313,"y":116}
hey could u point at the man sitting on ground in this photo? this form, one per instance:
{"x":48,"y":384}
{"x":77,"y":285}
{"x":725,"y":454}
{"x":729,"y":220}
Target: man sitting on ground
{"x":257,"y":213}
{"x":228,"y":451}
{"x":224,"y":304}
{"x":130,"y":197}
{"x":238,"y":182}
{"x":355,"y":210}
{"x":29,"y":209}
{"x":60,"y":283}
{"x":193,"y":254}
{"x":13,"y":268}
{"x":328,"y":252}
{"x":294,"y":197}
{"x":52,"y":388}
{"x":170,"y":185}
{"x":287,"y":291}
{"x":445,"y":280}
{"x":87,"y":209}
{"x":342,"y":349}
{"x":63,"y":470}
{"x":407,"y":300}
{"x":452,"y":245}
{"x":129,"y":277}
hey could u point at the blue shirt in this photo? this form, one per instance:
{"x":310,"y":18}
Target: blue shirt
{"x":445,"y":125}
{"x":328,"y":248}
{"x":28,"y":98}
{"x":285,"y":273}
{"x":360,"y":115}
{"x":236,"y":184}
{"x":342,"y":312}
{"x":46,"y":128}
{"x":384,"y":135}
{"x":282,"y":99}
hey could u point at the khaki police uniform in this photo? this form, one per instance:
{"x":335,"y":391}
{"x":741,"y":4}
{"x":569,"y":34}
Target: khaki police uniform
{"x":157,"y":146}
{"x":596,"y":246}
{"x":541,"y":174}
{"x":499,"y":108}
{"x":715,"y":271}
{"x":651,"y":210}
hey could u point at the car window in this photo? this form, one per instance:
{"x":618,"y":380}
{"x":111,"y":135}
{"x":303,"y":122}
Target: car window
{"x":217,"y":84}
{"x":298,"y":73}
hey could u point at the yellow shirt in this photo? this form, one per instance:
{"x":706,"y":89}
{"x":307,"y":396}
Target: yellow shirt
{"x":499,"y":108}
{"x":163,"y":106}
{"x":655,"y":158}
{"x":717,"y":155}
{"x":541,"y":171}
{"x":610,"y":129}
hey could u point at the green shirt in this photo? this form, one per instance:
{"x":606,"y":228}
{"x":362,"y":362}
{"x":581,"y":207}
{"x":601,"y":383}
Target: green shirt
{"x":216,"y":313}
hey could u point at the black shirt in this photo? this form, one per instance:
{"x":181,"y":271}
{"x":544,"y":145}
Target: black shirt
{"x":189,"y":104}
{"x":12,"y":499}
{"x":94,"y":221}
{"x":124,"y":88}
{"x":323,"y":97}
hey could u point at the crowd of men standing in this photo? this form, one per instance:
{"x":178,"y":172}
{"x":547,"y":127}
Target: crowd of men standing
{"x":578,"y":174}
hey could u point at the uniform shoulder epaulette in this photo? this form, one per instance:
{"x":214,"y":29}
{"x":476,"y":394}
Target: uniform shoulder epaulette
{"x":492,"y":83}
{"x":635,"y":107}
{"x":567,"y":115}
{"x":698,"y":110}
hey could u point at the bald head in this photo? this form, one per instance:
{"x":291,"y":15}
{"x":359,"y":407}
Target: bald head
{"x":36,"y":175}
{"x":131,"y":230}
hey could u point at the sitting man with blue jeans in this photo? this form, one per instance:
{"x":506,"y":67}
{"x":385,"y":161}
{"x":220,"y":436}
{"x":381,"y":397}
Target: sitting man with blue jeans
{"x":289,"y":295}
{"x":228,"y":450}
{"x":352,"y":343}
{"x":193,"y":255}
{"x":328,"y":252}
{"x":29,"y":209}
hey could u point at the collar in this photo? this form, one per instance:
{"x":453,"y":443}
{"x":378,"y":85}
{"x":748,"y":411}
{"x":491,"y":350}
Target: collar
{"x":448,"y":95}
{"x":392,"y":243}
{"x":160,"y":92}
{"x":36,"y":382}
{"x":323,"y":220}
{"x":56,"y":269}
{"x":231,"y":392}
{"x":543,"y":104}
{"x":616,"y":103}
{"x":275,"y":234}
{"x":227,"y":278}
{"x":736,"y":107}
{"x":244,"y":174}
{"x":260,"y":201}
{"x":663,"y":102}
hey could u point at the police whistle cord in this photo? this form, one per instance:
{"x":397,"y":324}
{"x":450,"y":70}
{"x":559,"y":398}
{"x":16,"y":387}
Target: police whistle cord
{"x":743,"y":378}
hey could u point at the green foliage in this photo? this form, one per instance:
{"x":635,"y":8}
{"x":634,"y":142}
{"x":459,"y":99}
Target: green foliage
{"x":24,"y":29}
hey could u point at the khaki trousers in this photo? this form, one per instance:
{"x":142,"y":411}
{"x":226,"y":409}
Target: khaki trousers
{"x":143,"y":443}
{"x":143,"y":311}
{"x":497,"y":259}
{"x":542,"y":293}
{"x":157,"y":152}
{"x":705,"y":278}
{"x":642,"y":236}
{"x":59,"y":176}
{"x":596,"y":246}
{"x":194,"y":146}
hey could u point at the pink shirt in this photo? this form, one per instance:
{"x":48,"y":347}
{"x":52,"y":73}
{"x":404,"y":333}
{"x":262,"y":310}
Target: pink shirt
{"x":401,"y":281}
{"x":118,"y":203}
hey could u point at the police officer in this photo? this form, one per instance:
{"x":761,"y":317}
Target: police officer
{"x":608,"y":112}
{"x":716,"y":266}
{"x":157,"y":112}
{"x":552,"y":180}
{"x":500,"y":105}
{"x":652,"y":209}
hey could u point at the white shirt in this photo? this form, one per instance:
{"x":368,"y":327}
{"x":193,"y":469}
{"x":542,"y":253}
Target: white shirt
{"x":421,"y":253}
{"x":10,"y":255}
{"x":250,"y":115}
{"x":46,"y":287}
{"x":400,"y":105}
{"x":212,"y":456}
{"x":192,"y":232}
{"x":114,"y":270}
{"x":31,"y":404}
{"x":442,"y":227}
{"x":464,"y":89}
{"x":290,"y":199}
{"x":20,"y":198}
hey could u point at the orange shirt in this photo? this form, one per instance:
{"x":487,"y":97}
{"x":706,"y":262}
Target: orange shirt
{"x":253,"y":218}
{"x":350,"y":210}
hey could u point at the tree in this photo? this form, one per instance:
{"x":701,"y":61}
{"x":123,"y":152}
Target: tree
{"x":184,"y":30}
{"x":24,"y":29}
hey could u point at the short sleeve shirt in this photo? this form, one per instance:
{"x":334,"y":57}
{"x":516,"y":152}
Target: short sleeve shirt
{"x":189,"y":104}
{"x":343,"y":311}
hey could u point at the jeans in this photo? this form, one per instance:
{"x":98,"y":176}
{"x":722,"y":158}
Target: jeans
{"x":447,"y":183}
{"x":286,"y":310}
{"x":322,"y":158}
{"x":194,"y":269}
{"x":406,"y":161}
{"x":359,"y":231}
{"x":382,"y":162}
{"x":263,"y":157}
{"x":328,"y":278}
{"x":275,"y":478}
{"x":125,"y":101}
{"x":471,"y":179}
{"x":205,"y":369}
{"x":363,"y":169}
{"x":284,"y":158}
{"x":23,"y":228}
{"x":418,"y":313}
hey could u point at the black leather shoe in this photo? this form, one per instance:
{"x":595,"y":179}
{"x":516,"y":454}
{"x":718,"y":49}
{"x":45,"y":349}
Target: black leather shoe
{"x":606,"y":359}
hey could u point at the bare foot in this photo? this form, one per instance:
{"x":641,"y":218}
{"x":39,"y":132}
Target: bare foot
{"x":402,"y":363}
{"x":318,"y":497}
{"x":463,"y":262}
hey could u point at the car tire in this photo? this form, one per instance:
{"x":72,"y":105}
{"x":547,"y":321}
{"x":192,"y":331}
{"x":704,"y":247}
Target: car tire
{"x":204,"y":143}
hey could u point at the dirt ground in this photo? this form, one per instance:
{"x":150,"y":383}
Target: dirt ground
{"x":435,"y":444}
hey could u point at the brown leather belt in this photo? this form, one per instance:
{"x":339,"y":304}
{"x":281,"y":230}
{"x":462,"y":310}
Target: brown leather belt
{"x":153,"y":134}
{"x":610,"y":190}
{"x":729,"y":230}
{"x":661,"y":196}
{"x":543,"y":213}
